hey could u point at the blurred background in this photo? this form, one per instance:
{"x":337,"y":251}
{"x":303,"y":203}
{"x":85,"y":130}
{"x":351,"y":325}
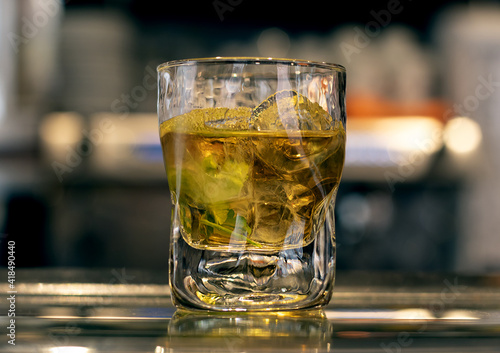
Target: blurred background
{"x":81,"y":174}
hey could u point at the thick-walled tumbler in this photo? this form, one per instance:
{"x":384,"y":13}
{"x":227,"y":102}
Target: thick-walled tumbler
{"x":254,"y":151}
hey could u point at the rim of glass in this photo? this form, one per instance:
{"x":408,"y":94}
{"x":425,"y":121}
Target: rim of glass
{"x":250,"y":60}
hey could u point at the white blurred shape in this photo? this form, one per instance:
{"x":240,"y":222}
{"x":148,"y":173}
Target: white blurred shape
{"x":400,"y":147}
{"x":462,"y":135}
{"x":413,"y":314}
{"x":468,"y":36}
{"x":459,"y":315}
{"x":59,"y":132}
{"x":69,"y":349}
{"x":8,"y":63}
{"x":273,"y":42}
{"x":61,"y":128}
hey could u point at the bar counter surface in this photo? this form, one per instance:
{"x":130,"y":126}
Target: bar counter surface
{"x":120,"y":310}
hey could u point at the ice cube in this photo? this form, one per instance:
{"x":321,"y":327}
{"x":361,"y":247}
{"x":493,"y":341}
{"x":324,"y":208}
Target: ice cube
{"x":289,"y":155}
{"x":294,"y":152}
{"x":301,"y":199}
{"x":268,"y":190}
{"x":289,"y":110}
{"x":281,"y":211}
{"x":271,"y":222}
{"x":275,"y":223}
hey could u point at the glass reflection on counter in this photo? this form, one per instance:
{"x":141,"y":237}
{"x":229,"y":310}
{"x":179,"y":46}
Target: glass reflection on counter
{"x":236,"y":331}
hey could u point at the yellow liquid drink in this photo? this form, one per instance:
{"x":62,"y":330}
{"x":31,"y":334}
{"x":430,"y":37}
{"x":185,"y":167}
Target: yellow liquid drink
{"x":256,"y":190}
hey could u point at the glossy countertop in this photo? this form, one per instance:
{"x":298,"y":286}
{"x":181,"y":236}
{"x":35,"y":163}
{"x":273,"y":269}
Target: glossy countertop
{"x":119,"y":310}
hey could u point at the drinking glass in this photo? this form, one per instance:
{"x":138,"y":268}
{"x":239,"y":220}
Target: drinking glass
{"x":253,"y":151}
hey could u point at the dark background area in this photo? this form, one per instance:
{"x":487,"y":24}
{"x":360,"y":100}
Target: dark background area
{"x":112,"y":209}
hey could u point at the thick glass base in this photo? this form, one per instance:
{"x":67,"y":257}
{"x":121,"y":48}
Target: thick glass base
{"x":254,"y":281}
